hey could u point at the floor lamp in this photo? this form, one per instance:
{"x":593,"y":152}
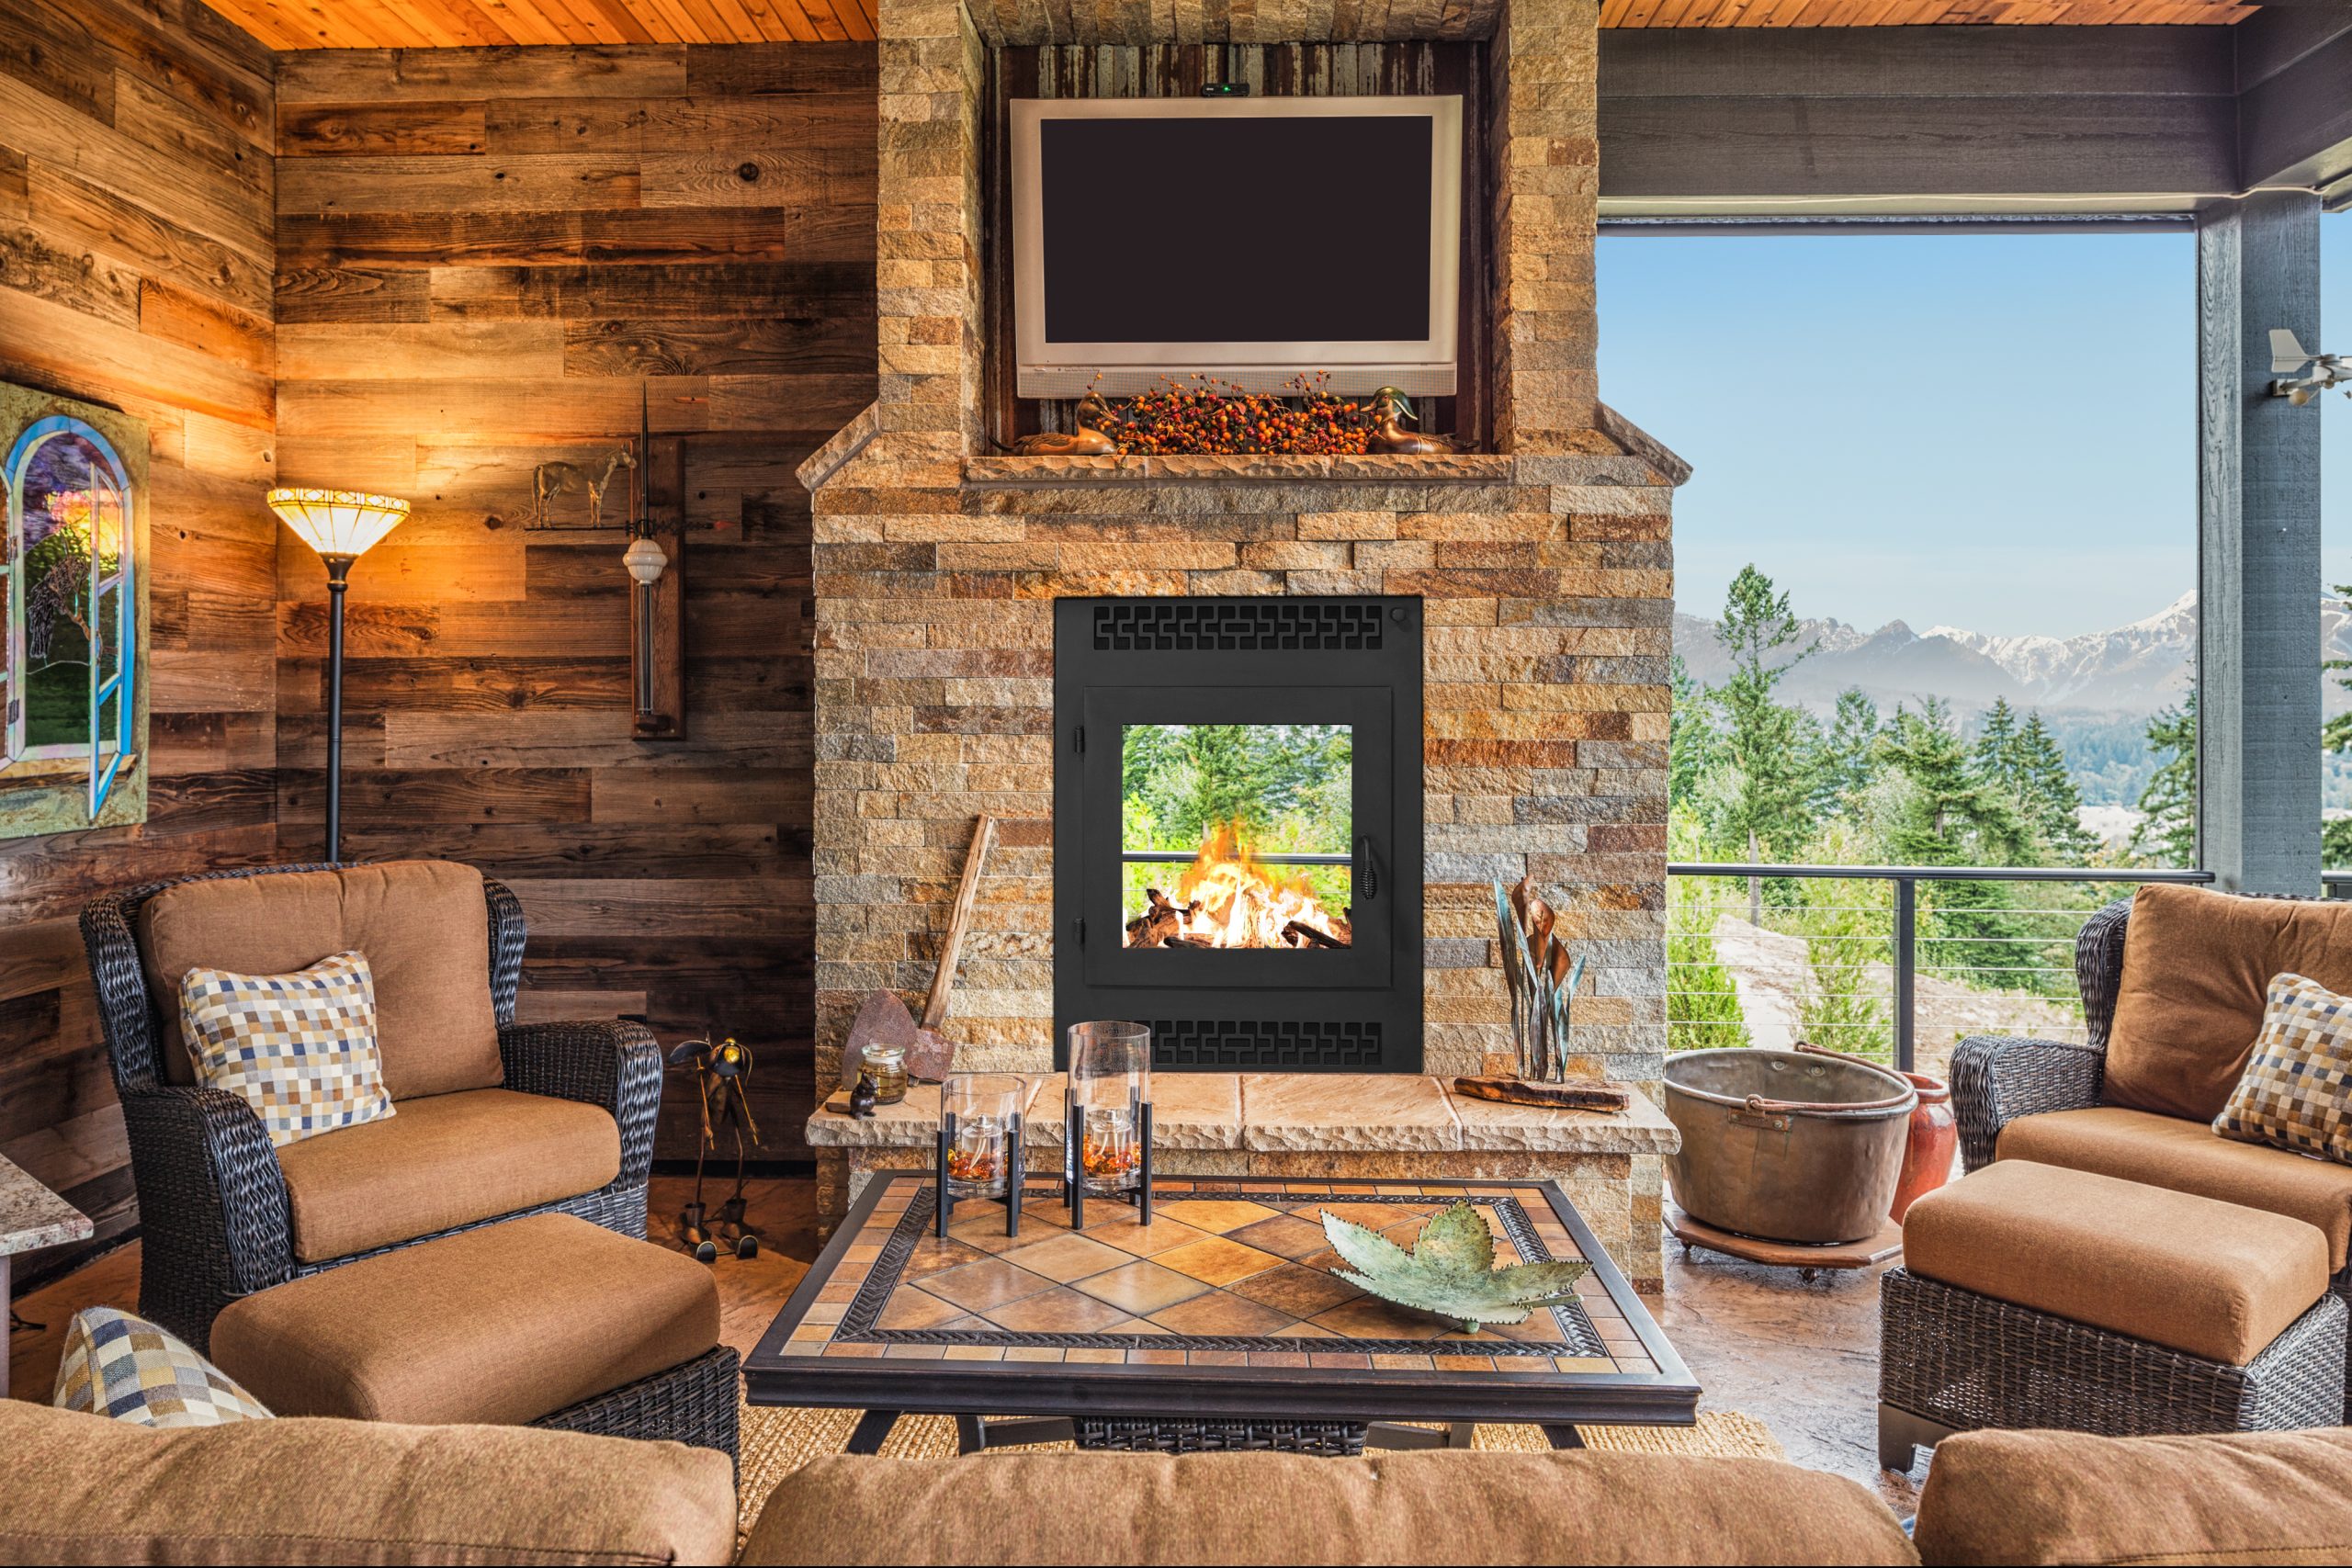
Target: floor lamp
{"x":342,"y":525}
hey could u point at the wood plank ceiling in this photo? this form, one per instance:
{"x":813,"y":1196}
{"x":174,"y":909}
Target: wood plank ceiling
{"x":443,"y":24}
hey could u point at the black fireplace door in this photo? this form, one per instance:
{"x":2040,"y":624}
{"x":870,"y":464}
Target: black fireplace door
{"x":1238,"y":828}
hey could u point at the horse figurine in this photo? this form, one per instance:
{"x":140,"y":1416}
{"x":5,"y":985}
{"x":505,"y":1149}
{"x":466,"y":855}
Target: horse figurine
{"x":1388,"y":405}
{"x":551,"y":479}
{"x":1089,"y":440}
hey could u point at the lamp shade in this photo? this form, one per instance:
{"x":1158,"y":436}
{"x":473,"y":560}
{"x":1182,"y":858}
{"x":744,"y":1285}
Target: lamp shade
{"x":343,"y":523}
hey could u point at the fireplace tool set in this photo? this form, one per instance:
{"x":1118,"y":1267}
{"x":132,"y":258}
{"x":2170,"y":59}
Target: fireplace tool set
{"x":1106,"y":1129}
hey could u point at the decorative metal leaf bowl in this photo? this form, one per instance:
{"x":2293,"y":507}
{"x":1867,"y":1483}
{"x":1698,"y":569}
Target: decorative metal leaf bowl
{"x":1451,"y":1272}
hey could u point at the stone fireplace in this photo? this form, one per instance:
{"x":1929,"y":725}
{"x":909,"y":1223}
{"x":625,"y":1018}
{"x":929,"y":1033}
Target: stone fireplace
{"x":1542,"y":573}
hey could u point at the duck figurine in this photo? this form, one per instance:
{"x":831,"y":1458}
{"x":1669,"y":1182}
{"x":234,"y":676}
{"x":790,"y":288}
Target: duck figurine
{"x":1390,"y":404}
{"x":1089,"y":440}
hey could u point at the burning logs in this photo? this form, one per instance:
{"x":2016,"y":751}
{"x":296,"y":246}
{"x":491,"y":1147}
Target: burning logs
{"x":1228,"y":898}
{"x":1163,"y":922}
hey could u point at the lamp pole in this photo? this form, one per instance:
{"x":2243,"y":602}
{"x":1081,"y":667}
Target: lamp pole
{"x":338,"y":579}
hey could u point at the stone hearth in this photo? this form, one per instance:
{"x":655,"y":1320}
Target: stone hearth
{"x":1545,"y":570}
{"x":1335,"y":1126}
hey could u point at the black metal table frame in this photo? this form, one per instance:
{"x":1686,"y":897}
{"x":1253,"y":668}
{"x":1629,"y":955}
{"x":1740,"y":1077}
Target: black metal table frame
{"x":1048,"y":1398}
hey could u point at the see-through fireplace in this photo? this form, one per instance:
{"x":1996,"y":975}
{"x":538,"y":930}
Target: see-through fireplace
{"x":1238,"y":828}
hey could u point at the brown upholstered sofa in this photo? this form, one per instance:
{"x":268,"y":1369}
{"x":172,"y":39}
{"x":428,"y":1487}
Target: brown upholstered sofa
{"x":492,"y":1118}
{"x":87,"y":1489}
{"x":2173,"y":983}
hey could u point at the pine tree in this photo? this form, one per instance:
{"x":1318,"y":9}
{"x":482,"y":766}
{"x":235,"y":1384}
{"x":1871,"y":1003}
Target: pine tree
{"x":2047,"y":794}
{"x":1848,"y":752}
{"x":1997,"y":756}
{"x":1693,"y":744}
{"x":2167,"y":824}
{"x":1765,"y":741}
{"x":1952,"y":815}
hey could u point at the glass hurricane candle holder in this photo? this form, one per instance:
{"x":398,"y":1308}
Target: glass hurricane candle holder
{"x":1107,"y":1117}
{"x":980,"y":1143}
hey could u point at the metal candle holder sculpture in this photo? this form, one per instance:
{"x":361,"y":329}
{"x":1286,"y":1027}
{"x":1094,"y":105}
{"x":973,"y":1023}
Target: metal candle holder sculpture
{"x":1106,"y":1117}
{"x":720,"y":1072}
{"x":979,"y":1151}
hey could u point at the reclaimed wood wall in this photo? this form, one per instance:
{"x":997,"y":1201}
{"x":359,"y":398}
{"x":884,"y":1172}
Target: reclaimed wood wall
{"x":135,"y":262}
{"x":484,"y":258}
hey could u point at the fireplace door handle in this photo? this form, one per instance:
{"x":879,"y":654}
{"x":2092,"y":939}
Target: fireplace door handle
{"x":1367,"y":879}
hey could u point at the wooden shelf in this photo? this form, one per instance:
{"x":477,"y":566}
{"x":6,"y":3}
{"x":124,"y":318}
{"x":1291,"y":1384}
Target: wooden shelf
{"x":1470,"y":468}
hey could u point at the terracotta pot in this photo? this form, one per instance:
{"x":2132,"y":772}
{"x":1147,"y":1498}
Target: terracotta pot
{"x":1927,"y":1158}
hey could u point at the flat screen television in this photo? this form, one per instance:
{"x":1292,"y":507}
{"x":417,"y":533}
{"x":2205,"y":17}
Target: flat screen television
{"x":1250,"y":240}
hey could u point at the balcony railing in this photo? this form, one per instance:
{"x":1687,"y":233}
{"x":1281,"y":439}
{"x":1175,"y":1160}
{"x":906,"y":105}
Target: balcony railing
{"x":2000,"y":963}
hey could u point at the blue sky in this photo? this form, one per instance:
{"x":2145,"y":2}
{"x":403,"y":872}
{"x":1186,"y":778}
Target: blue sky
{"x":1993,"y":432}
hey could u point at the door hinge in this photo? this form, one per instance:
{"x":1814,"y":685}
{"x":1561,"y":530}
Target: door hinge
{"x":1078,"y":739}
{"x":1079,"y":927}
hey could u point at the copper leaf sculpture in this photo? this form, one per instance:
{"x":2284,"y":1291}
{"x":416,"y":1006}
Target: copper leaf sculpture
{"x":1450,"y":1270}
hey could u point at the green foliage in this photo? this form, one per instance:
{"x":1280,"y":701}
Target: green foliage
{"x":2024,"y":762}
{"x":1767,"y":744}
{"x":1848,"y":752}
{"x":1694,"y":746}
{"x":1702,"y":1011}
{"x":1846,"y":1004}
{"x":2168,"y":824}
{"x":1287,"y":787}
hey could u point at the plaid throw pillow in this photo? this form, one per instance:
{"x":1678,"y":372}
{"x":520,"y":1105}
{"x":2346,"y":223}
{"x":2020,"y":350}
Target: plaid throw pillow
{"x":125,"y":1367}
{"x":300,"y":1048}
{"x":2295,"y":1092}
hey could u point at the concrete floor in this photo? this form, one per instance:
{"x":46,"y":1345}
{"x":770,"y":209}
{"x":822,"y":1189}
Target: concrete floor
{"x":1802,"y":1356}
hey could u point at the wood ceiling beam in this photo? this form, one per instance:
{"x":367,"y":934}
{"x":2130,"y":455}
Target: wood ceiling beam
{"x":1800,"y":122}
{"x":2294,"y":77}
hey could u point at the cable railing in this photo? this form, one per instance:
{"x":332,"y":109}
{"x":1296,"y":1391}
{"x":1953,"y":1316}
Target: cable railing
{"x":1992,"y":947}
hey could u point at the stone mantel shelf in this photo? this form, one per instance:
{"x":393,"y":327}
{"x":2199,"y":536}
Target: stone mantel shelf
{"x":1454,"y":468}
{"x":1308,"y":1112}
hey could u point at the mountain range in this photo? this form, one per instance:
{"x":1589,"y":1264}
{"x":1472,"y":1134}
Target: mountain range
{"x":2130,"y":671}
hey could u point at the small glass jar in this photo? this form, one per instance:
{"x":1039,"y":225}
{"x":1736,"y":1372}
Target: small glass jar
{"x":1110,"y":1082}
{"x":887,"y":1065}
{"x":982,"y":1154}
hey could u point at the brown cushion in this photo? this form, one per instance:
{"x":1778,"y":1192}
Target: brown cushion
{"x":422,"y":924}
{"x":2196,"y":965}
{"x":505,"y":1324}
{"x":1288,"y":1508}
{"x":80,"y":1488}
{"x":2212,"y":1278}
{"x":441,"y":1162}
{"x":2064,"y":1497}
{"x":2189,"y":1156}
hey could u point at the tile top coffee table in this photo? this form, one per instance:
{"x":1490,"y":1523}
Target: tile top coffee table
{"x":1218,"y":1318}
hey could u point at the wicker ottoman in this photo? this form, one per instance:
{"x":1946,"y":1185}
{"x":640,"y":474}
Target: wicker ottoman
{"x":545,"y":1321}
{"x":2033,"y":1296}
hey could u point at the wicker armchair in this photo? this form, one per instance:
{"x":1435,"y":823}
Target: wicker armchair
{"x":1995,"y":1078}
{"x":214,"y":1214}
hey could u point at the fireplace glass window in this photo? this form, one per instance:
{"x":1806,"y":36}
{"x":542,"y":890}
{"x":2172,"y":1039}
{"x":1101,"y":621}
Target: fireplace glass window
{"x":1236,"y":835}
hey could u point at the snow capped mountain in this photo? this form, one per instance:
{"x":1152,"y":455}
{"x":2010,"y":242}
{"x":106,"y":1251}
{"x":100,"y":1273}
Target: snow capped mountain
{"x":2135,"y":669}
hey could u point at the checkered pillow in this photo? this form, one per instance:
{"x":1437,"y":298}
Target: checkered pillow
{"x":300,"y":1048}
{"x":125,"y":1367}
{"x":2295,"y":1092}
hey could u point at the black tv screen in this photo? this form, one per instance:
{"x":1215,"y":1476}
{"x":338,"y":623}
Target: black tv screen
{"x":1237,"y":229}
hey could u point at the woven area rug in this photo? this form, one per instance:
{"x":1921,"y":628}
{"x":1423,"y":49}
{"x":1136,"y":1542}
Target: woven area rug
{"x":776,"y":1441}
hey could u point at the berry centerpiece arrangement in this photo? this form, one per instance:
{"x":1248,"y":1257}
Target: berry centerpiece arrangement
{"x":1204,"y":417}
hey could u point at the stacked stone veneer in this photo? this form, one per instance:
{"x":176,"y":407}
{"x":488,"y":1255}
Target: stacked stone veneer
{"x":1547,"y":569}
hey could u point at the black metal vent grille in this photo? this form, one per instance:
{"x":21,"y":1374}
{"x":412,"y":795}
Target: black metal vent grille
{"x":1211,"y":1044}
{"x":1249,"y":625}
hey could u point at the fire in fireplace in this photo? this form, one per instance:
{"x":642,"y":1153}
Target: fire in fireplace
{"x":1238,"y":822}
{"x":1236,"y":835}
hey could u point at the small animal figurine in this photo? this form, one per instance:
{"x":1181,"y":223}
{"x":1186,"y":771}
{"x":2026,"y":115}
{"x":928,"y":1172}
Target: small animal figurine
{"x":1389,"y":405}
{"x":861,"y":1097}
{"x":551,"y":479}
{"x":1089,"y":440}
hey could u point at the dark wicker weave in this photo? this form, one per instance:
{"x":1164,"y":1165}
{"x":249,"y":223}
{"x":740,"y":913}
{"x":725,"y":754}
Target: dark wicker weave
{"x":1330,"y":1439}
{"x":1954,"y":1361}
{"x":213,"y":1216}
{"x":1997,"y":1079}
{"x":696,"y":1402}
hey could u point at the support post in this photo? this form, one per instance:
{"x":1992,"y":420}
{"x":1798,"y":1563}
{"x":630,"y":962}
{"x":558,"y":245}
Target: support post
{"x":1906,"y":972}
{"x":2259,"y":573}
